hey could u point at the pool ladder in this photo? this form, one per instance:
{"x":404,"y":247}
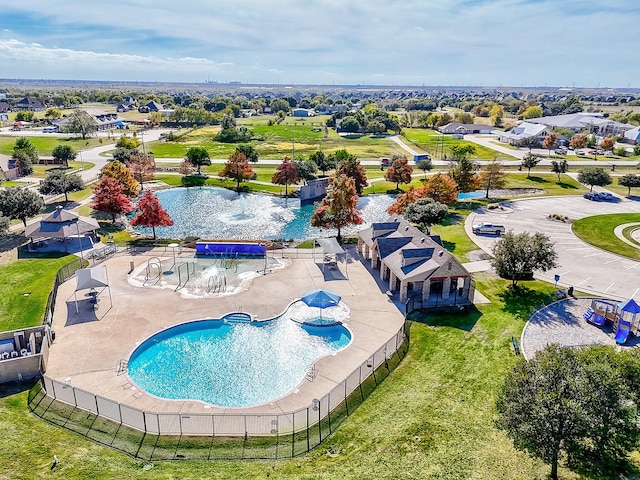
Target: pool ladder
{"x":217,"y":284}
{"x":121,"y":367}
{"x":312,"y":373}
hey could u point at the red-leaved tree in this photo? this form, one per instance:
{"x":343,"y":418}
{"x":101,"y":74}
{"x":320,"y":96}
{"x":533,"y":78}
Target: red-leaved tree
{"x":237,"y":168}
{"x":338,"y":208}
{"x":286,"y":173}
{"x":151,"y":214}
{"x":108,"y":197}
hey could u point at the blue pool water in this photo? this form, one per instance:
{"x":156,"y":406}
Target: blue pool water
{"x":232,"y":364}
{"x":218,"y":213}
{"x":471,"y":195}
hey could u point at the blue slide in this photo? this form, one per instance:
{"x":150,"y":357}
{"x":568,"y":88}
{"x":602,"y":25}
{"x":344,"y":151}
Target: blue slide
{"x":622,"y":333}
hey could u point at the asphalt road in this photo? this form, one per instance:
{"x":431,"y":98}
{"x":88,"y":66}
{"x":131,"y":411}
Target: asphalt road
{"x":582,"y":266}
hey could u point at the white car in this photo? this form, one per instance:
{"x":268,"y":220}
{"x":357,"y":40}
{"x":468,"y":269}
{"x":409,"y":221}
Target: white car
{"x":581,"y":153}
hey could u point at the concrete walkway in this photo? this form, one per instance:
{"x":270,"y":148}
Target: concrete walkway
{"x":583,"y":266}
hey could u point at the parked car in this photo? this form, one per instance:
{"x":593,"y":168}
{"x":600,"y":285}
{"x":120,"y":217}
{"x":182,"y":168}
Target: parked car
{"x":600,"y":197}
{"x":560,"y":151}
{"x":599,"y":151}
{"x":490,"y":228}
{"x":591,"y":152}
{"x":608,"y":153}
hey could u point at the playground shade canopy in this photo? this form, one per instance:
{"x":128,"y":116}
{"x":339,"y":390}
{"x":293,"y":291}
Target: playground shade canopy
{"x":91,"y":278}
{"x":629,"y":306}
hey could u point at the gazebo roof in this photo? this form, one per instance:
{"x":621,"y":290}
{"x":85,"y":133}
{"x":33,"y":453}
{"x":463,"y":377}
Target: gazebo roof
{"x":61,"y":224}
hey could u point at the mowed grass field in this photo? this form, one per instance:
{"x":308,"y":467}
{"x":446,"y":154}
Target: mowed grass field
{"x":599,"y":231}
{"x":435,"y":144}
{"x":432,"y":418}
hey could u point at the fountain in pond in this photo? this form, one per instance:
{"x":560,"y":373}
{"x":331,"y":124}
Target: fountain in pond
{"x":218,"y":213}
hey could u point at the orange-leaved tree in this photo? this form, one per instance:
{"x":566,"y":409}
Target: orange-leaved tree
{"x":237,"y":168}
{"x":399,"y":172}
{"x":121,"y":174}
{"x":151,"y":214}
{"x":338,"y":208}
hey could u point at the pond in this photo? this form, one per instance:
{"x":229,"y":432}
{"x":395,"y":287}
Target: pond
{"x":218,"y":213}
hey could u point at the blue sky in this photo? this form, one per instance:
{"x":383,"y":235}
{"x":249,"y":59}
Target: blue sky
{"x":390,"y":42}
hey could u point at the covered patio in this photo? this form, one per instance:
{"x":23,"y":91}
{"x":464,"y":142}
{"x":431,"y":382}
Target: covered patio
{"x":62,"y":230}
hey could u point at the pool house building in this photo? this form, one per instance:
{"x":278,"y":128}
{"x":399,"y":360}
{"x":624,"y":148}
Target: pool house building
{"x":415,"y":264}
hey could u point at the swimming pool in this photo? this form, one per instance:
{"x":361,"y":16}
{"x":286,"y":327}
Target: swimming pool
{"x":471,"y":195}
{"x":218,"y":213}
{"x":232,"y":362}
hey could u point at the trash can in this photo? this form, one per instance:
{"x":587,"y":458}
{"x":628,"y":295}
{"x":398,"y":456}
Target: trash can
{"x":570,"y":291}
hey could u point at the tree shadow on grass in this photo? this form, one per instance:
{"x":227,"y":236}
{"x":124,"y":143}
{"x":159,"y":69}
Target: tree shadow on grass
{"x":463,"y":320}
{"x":521,"y":301}
{"x":452,"y":219}
{"x":23,"y":252}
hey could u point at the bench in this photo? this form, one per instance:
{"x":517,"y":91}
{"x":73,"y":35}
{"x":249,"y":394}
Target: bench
{"x":516,"y":345}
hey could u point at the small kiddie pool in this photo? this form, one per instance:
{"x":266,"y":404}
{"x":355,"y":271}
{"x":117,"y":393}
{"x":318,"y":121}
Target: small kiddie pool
{"x":233,"y":361}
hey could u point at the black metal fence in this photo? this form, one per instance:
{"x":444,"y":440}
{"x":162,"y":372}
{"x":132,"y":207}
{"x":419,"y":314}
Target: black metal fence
{"x":173,"y":436}
{"x":62,"y":276}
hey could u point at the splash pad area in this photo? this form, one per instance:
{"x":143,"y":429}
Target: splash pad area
{"x":194,"y":275}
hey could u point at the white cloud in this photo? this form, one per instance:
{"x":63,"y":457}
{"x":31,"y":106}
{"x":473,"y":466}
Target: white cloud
{"x":424,"y":41}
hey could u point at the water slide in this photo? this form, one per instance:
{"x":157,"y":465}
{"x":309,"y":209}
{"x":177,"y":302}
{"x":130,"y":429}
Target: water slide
{"x":622,"y":333}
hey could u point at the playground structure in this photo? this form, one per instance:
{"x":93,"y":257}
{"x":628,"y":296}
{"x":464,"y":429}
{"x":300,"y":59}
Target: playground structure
{"x":623,"y":317}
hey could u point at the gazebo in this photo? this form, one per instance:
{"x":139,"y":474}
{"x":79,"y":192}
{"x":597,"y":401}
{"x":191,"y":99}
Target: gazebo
{"x":61,"y":224}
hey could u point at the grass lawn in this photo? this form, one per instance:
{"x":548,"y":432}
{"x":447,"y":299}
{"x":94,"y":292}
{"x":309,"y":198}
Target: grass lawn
{"x":428,"y":139}
{"x":27,"y":275}
{"x":546,"y":181}
{"x":41,"y":171}
{"x":277,"y":142}
{"x":45,"y":145}
{"x":432,"y":418}
{"x":598,"y":231}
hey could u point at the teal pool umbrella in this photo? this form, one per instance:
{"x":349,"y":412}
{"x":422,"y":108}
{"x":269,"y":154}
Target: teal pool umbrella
{"x":321,"y":298}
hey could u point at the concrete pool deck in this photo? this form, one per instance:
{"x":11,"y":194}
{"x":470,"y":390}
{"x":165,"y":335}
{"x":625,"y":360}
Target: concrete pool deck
{"x":90,"y":345}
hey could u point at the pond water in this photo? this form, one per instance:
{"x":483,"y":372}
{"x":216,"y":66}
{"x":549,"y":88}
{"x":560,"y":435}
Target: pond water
{"x":218,"y":213}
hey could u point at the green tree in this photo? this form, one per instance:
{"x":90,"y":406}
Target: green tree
{"x":64,"y":154}
{"x":23,"y":162}
{"x":462,"y":151}
{"x":53,"y":114}
{"x":575,"y":402}
{"x":630,"y":181}
{"x":595,"y":176}
{"x":24,"y":145}
{"x":533,"y":111}
{"x":285,"y":174}
{"x":530,"y":142}
{"x":248,"y":151}
{"x":57,"y":182}
{"x":130,"y":143}
{"x":464,"y":174}
{"x":517,"y":255}
{"x":324,"y":162}
{"x":529,"y":161}
{"x":20,"y":203}
{"x":4,"y":225}
{"x":559,"y":167}
{"x":338,"y":208}
{"x":426,"y":212}
{"x":198,"y":157}
{"x":424,"y":165}
{"x":350,"y":124}
{"x":227,"y":122}
{"x":237,"y":168}
{"x":82,"y":123}
{"x":492,"y":176}
{"x":25,"y":116}
{"x":399,"y":172}
{"x":306,"y":168}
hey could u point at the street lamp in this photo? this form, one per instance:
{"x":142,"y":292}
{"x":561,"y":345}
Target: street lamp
{"x":81,"y":161}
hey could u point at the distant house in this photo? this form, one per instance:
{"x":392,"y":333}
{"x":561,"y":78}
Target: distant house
{"x":632,"y":136}
{"x":103,"y":120}
{"x":4,"y":117}
{"x":465,"y":128}
{"x":129,"y":101}
{"x":124,"y":107}
{"x":4,"y":107}
{"x":303,"y":112}
{"x":415,"y":264}
{"x":154,"y":106}
{"x":143,"y":109}
{"x":331,"y":109}
{"x":8,"y":167}
{"x":30,"y":103}
{"x":522,"y":132}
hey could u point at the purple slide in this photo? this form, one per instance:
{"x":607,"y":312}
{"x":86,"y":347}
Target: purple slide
{"x":622,"y":332}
